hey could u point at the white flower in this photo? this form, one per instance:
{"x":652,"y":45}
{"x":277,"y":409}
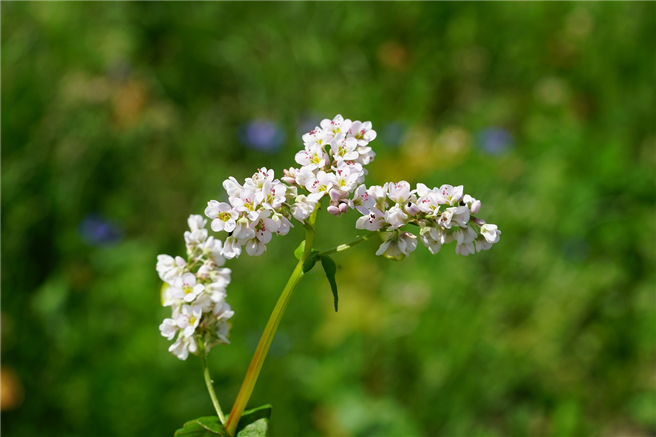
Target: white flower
{"x":450,"y":195}
{"x":247,"y":202}
{"x":183,"y":346}
{"x":223,"y":216}
{"x":459,"y":215}
{"x":244,"y":230}
{"x":379,"y":195}
{"x":232,"y":187}
{"x":258,"y":180}
{"x":170,"y":268}
{"x":465,"y":238}
{"x":346,"y":178}
{"x":186,"y":288}
{"x":373,"y":221}
{"x":433,"y":238}
{"x":321,"y":183}
{"x":195,"y":237}
{"x":222,"y":311}
{"x":189,"y":319}
{"x":196,"y":222}
{"x":362,"y":132}
{"x":445,"y":218}
{"x":335,"y":126}
{"x":304,"y":175}
{"x":302,"y":208}
{"x":312,"y":157}
{"x":316,"y":137}
{"x":398,"y":192}
{"x":398,"y":245}
{"x":279,"y":223}
{"x":169,"y":328}
{"x":255,"y":247}
{"x":362,"y":201}
{"x":272,"y":195}
{"x":343,"y":148}
{"x":428,"y":201}
{"x":212,"y":249}
{"x":491,"y":233}
{"x":482,"y":244}
{"x":231,"y":248}
{"x":395,"y":217}
{"x":465,"y":249}
{"x":290,"y":175}
{"x":222,"y":331}
{"x":474,"y":205}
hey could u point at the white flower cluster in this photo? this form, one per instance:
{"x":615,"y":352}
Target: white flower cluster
{"x":332,"y":164}
{"x":442,"y":214}
{"x":196,"y":292}
{"x":256,"y":210}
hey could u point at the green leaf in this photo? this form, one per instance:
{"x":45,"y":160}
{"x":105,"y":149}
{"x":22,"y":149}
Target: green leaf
{"x":298,"y":253}
{"x":203,"y":427}
{"x":309,"y":263}
{"x":255,"y":422}
{"x":162,"y":292}
{"x":330,"y":268}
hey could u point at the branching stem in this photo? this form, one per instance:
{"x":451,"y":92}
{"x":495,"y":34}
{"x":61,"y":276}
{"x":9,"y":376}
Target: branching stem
{"x":269,"y":331}
{"x":345,"y":246}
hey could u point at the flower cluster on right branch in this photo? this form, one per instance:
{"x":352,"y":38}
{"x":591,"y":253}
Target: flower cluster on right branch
{"x":442,"y":214}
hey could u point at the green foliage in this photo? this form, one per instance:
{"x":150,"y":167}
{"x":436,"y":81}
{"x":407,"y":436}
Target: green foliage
{"x":310,"y":262}
{"x":202,"y":427}
{"x":330,"y":268}
{"x":298,"y":252}
{"x":253,"y":423}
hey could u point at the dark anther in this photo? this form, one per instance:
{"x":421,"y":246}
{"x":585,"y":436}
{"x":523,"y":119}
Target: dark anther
{"x":462,"y":203}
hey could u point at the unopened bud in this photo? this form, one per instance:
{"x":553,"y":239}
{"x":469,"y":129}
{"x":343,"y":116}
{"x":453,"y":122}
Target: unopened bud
{"x":412,"y":209}
{"x":475,"y":207}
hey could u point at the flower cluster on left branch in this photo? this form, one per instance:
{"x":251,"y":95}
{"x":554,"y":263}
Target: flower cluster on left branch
{"x":195,"y":289}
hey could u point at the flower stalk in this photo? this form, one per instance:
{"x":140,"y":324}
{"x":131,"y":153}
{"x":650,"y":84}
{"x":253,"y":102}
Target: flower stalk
{"x":269,"y":332}
{"x":208,"y":382}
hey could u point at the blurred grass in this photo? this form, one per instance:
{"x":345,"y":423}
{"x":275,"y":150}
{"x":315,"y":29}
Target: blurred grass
{"x":132,"y":112}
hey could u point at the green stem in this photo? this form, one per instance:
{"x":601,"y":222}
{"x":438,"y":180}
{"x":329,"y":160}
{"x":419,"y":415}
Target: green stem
{"x":269,"y":331}
{"x":208,"y":381}
{"x":345,"y":246}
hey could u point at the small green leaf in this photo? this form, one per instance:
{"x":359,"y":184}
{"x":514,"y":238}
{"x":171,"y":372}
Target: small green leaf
{"x":162,"y":292}
{"x":298,"y":253}
{"x":202,"y":427}
{"x":255,"y":422}
{"x":309,"y":263}
{"x":330,"y":268}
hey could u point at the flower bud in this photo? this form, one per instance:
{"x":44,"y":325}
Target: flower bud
{"x":412,"y":209}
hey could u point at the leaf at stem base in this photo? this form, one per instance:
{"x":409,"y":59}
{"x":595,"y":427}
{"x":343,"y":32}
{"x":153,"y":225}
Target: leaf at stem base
{"x":253,"y":423}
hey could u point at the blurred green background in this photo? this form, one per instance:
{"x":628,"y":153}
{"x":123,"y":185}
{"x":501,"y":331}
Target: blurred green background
{"x":121,"y":119}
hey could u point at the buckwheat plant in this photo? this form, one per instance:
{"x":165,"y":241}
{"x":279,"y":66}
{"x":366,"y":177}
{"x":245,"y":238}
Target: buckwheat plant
{"x":332,"y":172}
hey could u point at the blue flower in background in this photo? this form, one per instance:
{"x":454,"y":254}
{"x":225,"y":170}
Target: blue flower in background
{"x":393,"y":134}
{"x":97,"y":231}
{"x":495,"y":141}
{"x":262,"y":135}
